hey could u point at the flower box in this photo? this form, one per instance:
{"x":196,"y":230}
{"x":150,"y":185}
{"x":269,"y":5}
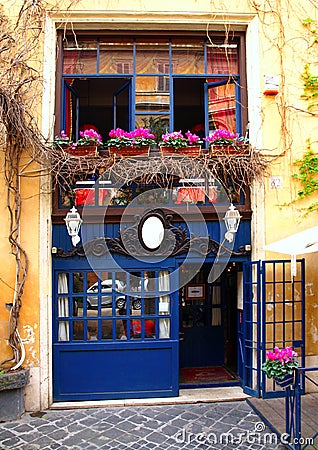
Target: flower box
{"x":83,"y":150}
{"x":220,"y":150}
{"x":128,"y":152}
{"x":191,"y":150}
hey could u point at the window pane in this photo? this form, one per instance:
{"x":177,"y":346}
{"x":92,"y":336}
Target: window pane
{"x":84,"y":196}
{"x":164,"y":328}
{"x":104,"y":196}
{"x":92,"y":328}
{"x":116,"y":56}
{"x":78,"y":330}
{"x":215,"y":191}
{"x":148,"y":97}
{"x":223,"y":59}
{"x":157,"y":123}
{"x":150,"y":196}
{"x":107,"y":329}
{"x":80,"y":57}
{"x":187,"y":56}
{"x":151,"y":55}
{"x":150,"y":306}
{"x":121,"y":197}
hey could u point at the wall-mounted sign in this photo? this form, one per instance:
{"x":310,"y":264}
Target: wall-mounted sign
{"x":195,"y":292}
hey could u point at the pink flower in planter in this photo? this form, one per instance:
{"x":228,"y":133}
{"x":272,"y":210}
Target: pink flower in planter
{"x":192,"y":138}
{"x":280,"y":362}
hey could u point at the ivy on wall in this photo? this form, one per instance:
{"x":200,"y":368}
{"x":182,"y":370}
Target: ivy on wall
{"x":310,"y":88}
{"x":308,"y":165}
{"x":308,"y":175}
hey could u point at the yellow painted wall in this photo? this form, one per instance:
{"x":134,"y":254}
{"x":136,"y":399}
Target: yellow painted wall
{"x":29,"y":328}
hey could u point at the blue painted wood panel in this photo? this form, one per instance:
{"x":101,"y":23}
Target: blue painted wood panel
{"x":89,"y":372}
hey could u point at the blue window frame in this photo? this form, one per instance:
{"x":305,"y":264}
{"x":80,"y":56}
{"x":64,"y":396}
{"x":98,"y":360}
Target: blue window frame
{"x":112,"y":306}
{"x":182,"y":83}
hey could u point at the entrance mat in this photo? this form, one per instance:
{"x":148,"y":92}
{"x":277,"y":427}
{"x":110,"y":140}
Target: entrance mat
{"x":199,"y":375}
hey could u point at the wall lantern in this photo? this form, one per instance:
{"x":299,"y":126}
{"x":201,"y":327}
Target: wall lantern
{"x":73,"y":224}
{"x":232,"y":220}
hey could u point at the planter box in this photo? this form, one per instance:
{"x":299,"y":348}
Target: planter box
{"x":128,"y":152}
{"x":191,"y":151}
{"x":12,"y":386}
{"x":85,"y":150}
{"x":219,"y":150}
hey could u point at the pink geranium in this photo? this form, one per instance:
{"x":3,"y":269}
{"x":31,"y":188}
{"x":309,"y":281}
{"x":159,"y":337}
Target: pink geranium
{"x":280,"y":362}
{"x":221,"y":136}
{"x":88,"y":137}
{"x":177,"y":140}
{"x":139,"y":137}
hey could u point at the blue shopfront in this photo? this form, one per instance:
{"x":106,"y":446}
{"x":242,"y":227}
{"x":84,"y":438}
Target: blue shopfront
{"x":139,"y":325}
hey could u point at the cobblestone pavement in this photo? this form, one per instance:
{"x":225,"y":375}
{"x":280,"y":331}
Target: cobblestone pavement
{"x":223,"y":425}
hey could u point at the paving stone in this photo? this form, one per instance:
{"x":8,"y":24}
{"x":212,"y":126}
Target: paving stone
{"x":9,"y":443}
{"x":172,"y":427}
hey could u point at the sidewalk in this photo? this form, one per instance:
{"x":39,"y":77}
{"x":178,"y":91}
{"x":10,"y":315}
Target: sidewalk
{"x":216,"y":425}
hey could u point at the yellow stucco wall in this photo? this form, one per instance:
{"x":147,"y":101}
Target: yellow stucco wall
{"x":29,"y":328}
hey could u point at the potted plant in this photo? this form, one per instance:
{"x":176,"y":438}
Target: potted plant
{"x":280,"y":365}
{"x":177,"y":143}
{"x":223,"y":141}
{"x":87,"y":144}
{"x":130,"y":143}
{"x":62,"y":141}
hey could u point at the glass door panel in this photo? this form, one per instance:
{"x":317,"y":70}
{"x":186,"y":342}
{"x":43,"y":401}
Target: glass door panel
{"x":221,"y":105}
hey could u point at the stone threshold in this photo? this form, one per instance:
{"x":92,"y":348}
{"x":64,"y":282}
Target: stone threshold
{"x":186,"y":396}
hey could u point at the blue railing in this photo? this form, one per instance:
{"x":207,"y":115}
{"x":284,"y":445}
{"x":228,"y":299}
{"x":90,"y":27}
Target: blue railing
{"x":294,"y":438}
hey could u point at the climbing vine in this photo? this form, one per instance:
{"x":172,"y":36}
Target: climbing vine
{"x":308,"y":175}
{"x":310,"y":88}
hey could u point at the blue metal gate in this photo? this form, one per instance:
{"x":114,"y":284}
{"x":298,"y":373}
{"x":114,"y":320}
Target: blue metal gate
{"x":273,"y":316}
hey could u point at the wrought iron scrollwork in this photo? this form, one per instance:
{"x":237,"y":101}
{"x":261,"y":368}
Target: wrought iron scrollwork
{"x":176,"y":242}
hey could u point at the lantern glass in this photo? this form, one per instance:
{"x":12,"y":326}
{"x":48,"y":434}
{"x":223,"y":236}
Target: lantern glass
{"x":73,"y":224}
{"x":232,"y":220}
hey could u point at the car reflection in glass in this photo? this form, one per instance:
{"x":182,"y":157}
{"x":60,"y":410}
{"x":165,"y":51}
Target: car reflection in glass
{"x":106,"y":287}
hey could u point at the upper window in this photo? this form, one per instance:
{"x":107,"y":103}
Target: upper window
{"x":180,"y":83}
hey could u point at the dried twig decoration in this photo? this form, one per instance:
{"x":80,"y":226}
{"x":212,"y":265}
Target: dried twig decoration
{"x":238,"y":170}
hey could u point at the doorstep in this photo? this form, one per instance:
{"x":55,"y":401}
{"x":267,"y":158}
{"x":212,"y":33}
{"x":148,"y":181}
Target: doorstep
{"x":206,"y":395}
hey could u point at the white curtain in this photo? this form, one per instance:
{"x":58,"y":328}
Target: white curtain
{"x":164,"y":304}
{"x":63,"y":308}
{"x":216,"y":311}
